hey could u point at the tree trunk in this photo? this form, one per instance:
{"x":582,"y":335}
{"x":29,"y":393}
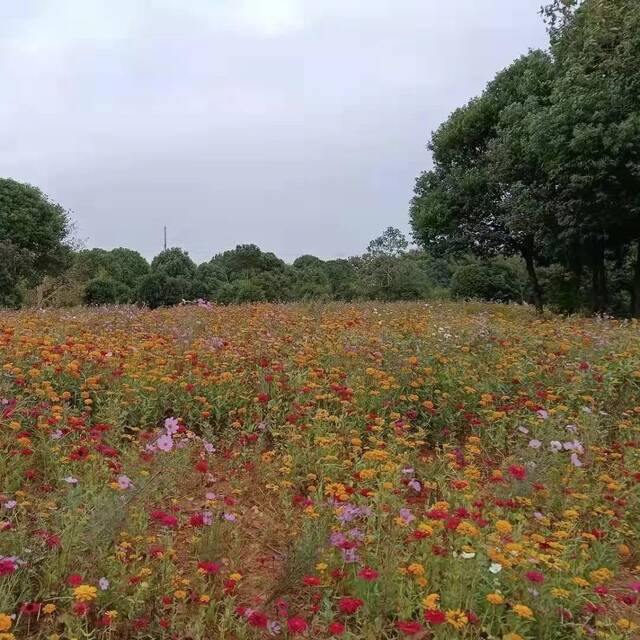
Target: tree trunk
{"x":635,"y":287}
{"x":535,"y":283}
{"x":599,"y":281}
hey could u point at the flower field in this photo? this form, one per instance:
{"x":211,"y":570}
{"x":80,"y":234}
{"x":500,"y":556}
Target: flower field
{"x":355,"y":471}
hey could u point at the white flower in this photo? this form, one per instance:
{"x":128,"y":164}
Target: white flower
{"x":103,"y":583}
{"x":495,"y":567}
{"x":467,"y":555}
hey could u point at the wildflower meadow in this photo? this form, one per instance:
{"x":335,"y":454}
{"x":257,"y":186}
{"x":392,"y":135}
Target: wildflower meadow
{"x":361,"y":471}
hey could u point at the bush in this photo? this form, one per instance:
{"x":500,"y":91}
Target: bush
{"x":496,"y":280}
{"x":159,"y":290}
{"x":106,"y":291}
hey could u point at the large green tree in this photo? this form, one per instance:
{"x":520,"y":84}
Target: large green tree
{"x":34,"y":233}
{"x":486,"y":192}
{"x":588,"y":137}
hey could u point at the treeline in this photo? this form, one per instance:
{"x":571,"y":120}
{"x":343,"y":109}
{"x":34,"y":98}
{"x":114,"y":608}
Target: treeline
{"x":545,"y":164}
{"x":40,"y":267}
{"x":388,"y":270}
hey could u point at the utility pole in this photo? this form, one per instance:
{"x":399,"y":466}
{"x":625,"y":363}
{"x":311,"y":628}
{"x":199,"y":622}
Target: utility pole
{"x":165,"y":237}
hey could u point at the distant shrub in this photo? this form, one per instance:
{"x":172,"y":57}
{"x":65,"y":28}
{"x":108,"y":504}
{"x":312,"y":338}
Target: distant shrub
{"x":495,"y":280}
{"x":103,"y":290}
{"x":160,"y":290}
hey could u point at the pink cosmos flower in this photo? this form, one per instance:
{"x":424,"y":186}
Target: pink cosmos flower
{"x":164,"y":443}
{"x":124,"y":482}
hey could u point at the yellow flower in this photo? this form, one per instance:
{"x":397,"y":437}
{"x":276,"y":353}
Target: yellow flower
{"x":522,"y":611}
{"x":504,"y":527}
{"x":456,"y":618}
{"x":5,"y":622}
{"x":495,"y":598}
{"x":415,"y":569}
{"x":601,"y":575}
{"x":236,"y":577}
{"x":204,"y":598}
{"x":431,"y":601}
{"x":580,"y":582}
{"x":467,"y":529}
{"x":562,"y":594}
{"x":49,"y":608}
{"x":426,"y":529}
{"x":7,"y":636}
{"x":85,"y":593}
{"x":180,"y":594}
{"x":624,"y":624}
{"x":512,"y":636}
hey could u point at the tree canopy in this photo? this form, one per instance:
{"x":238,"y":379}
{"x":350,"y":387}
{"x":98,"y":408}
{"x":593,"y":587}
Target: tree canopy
{"x":545,"y":162}
{"x":33,"y":237}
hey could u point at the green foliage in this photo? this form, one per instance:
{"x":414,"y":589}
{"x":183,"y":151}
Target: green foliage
{"x":391,"y":243}
{"x":546,"y":162}
{"x":174,"y":263}
{"x":126,"y":266}
{"x":496,"y":280}
{"x":157,"y":289}
{"x":33,"y":233}
{"x":103,"y":290}
{"x":247,"y":260}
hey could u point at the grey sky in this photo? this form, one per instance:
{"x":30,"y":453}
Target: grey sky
{"x":298,"y":125}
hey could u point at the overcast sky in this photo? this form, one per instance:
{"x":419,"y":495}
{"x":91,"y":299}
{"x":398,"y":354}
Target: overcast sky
{"x":298,"y":125}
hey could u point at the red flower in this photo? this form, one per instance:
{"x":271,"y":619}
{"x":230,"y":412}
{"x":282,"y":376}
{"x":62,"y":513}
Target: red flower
{"x":105,"y":620}
{"x":30,"y":608}
{"x":434,"y":616}
{"x":229,"y":586}
{"x":79,"y":453}
{"x":517,"y":471}
{"x":196,"y":520}
{"x":297,"y":625}
{"x":336,"y":628}
{"x":81,"y":609}
{"x":7,"y":566}
{"x":349,"y":605}
{"x":210,"y":568}
{"x":258,"y":619}
{"x":202,"y":466}
{"x":164,"y":518}
{"x":409,"y":627}
{"x":311,"y":581}
{"x":140,"y":624}
{"x":263,"y":398}
{"x":367,"y":573}
{"x":534,"y":576}
{"x":74,"y":580}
